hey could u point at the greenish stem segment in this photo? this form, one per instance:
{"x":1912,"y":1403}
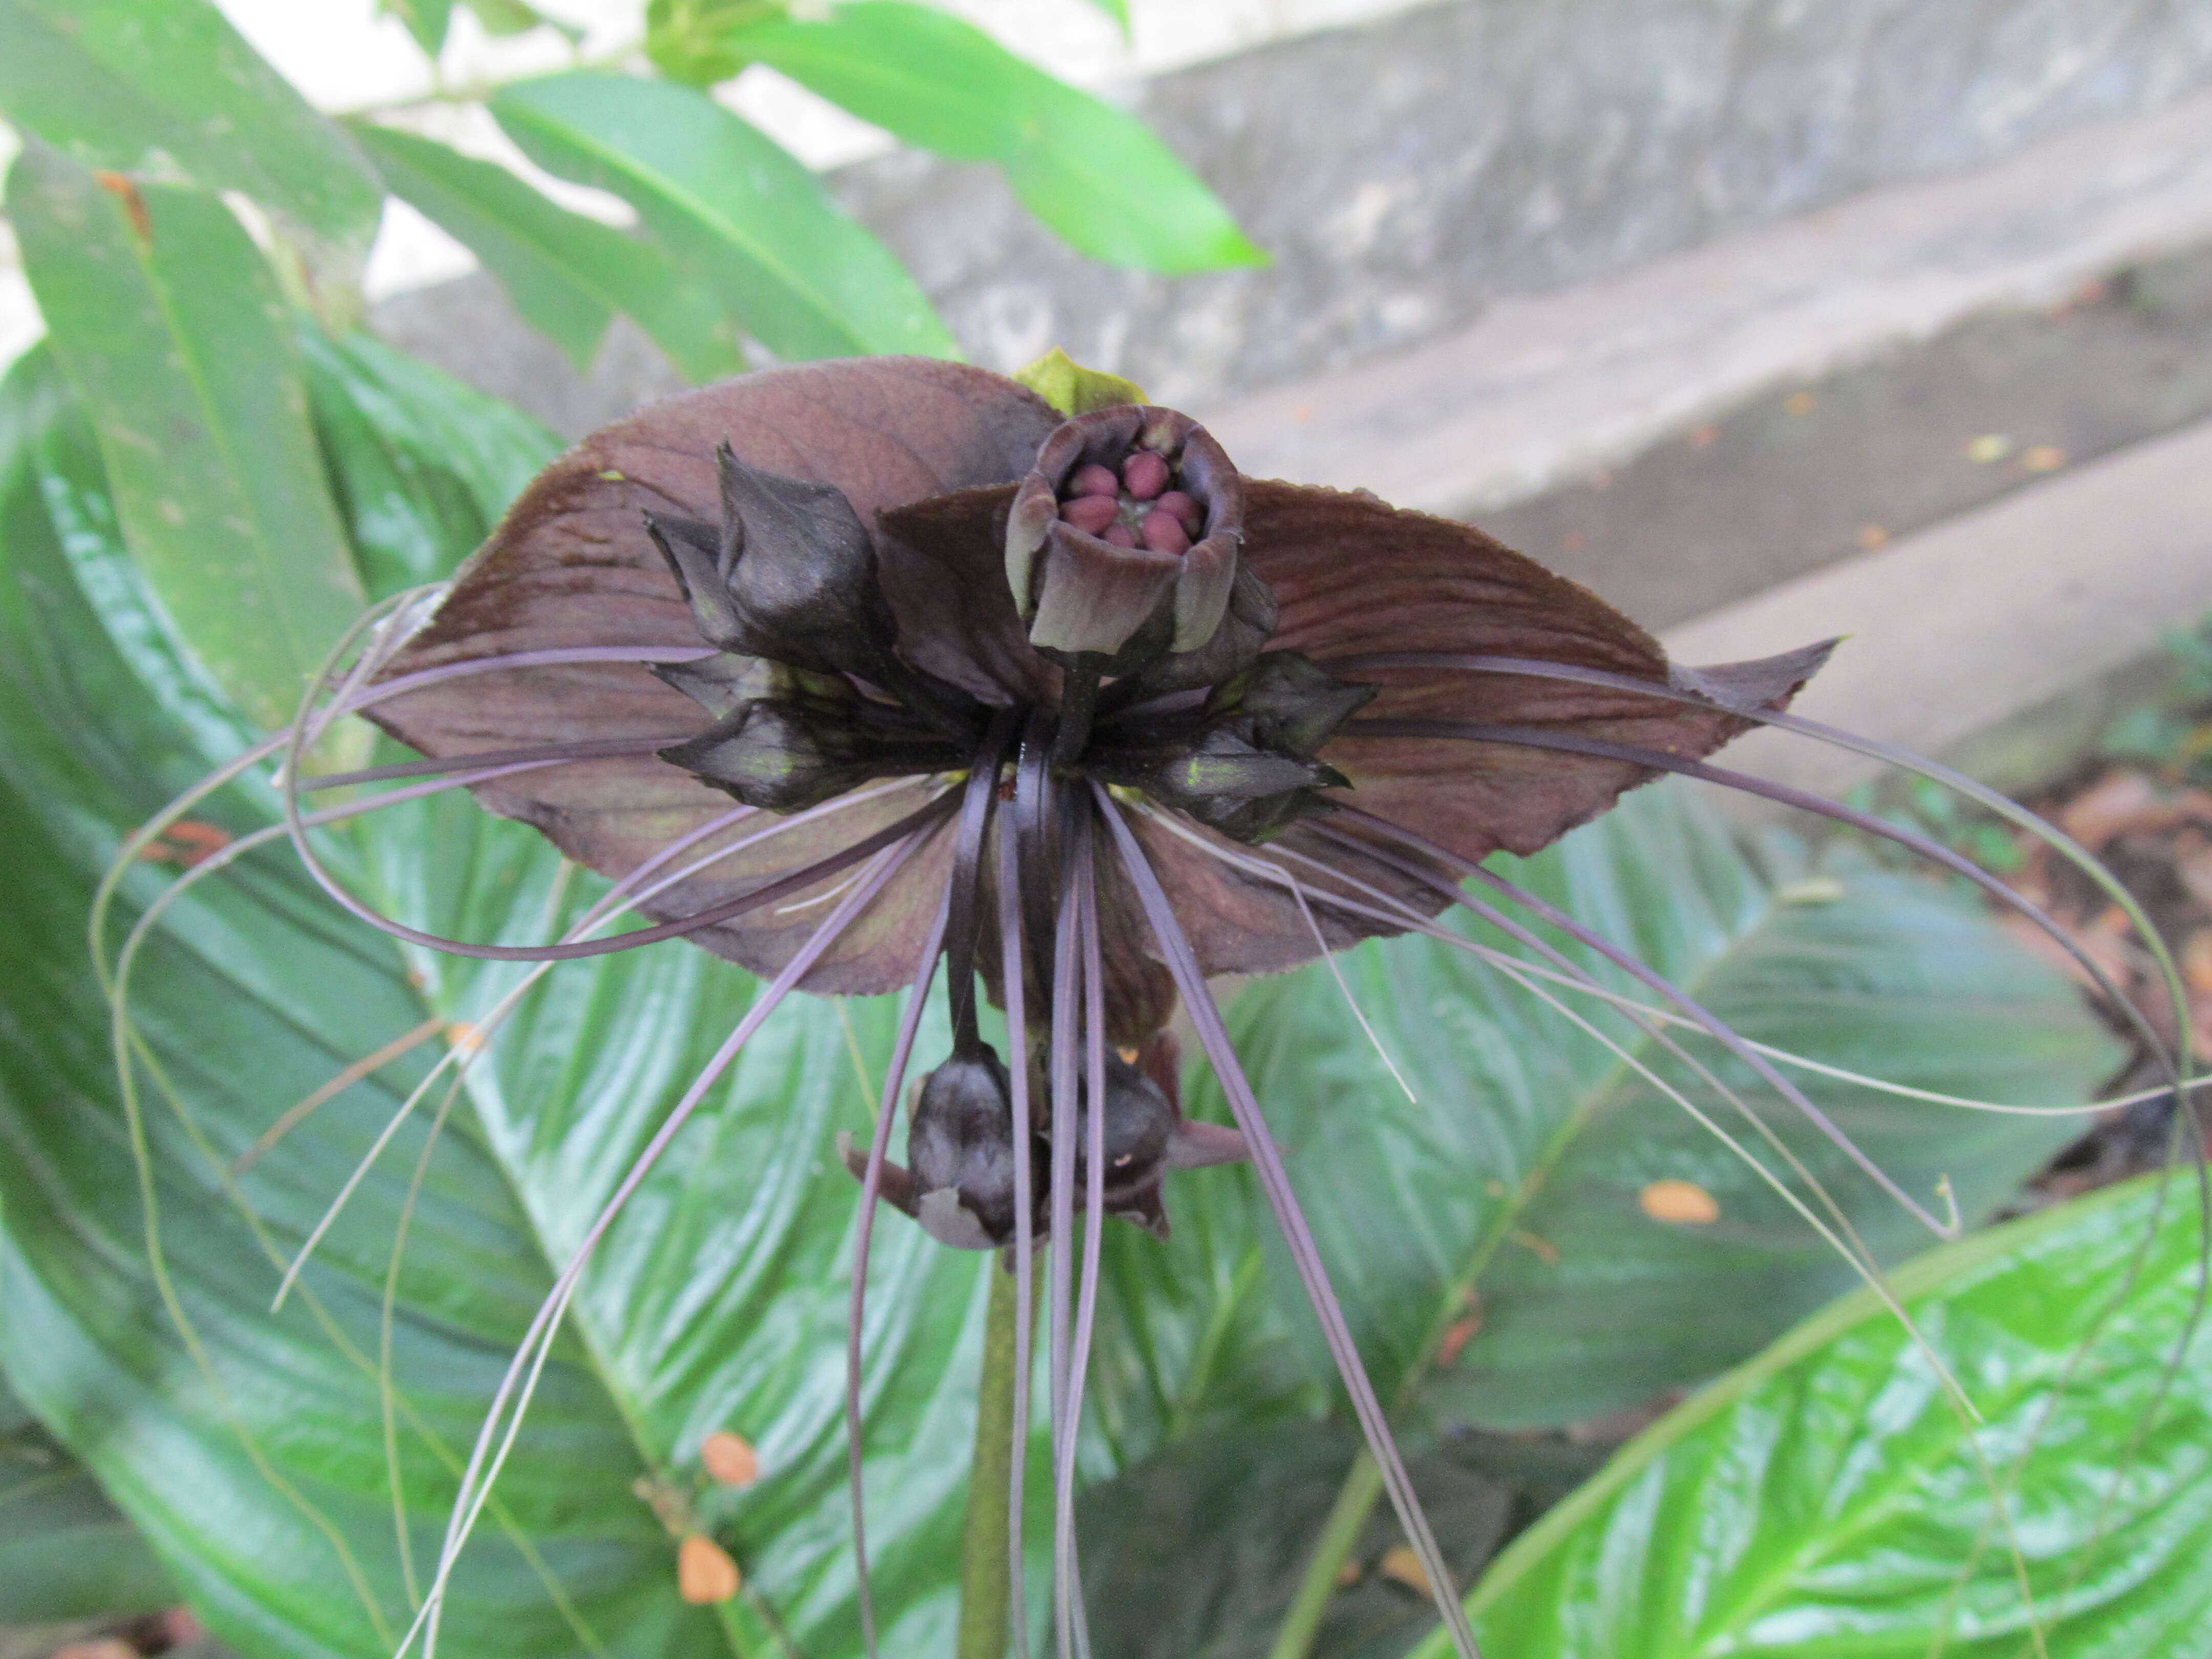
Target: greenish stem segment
{"x":986,"y":1553}
{"x":1340,"y":1534}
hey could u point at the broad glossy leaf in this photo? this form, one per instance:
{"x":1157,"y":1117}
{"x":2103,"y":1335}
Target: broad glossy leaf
{"x":565,"y":274}
{"x":168,"y":322}
{"x":1099,"y":177}
{"x":253,"y":1456}
{"x":743,"y":221}
{"x":65,"y":496}
{"x":517,"y":233}
{"x":159,"y":87}
{"x":1828,"y":1499}
{"x":65,"y":1551}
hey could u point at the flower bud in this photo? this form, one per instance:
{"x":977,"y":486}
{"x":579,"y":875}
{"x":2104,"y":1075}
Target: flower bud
{"x":1138,"y":1125}
{"x":789,"y":574}
{"x":793,"y":750}
{"x":1222,"y":779}
{"x":1293,"y":704}
{"x":961,"y":1148}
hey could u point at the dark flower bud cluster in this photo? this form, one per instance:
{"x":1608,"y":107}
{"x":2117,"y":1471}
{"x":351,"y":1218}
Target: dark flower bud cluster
{"x":958,"y":1182}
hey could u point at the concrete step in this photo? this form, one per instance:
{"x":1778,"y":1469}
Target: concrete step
{"x":2024,"y":614}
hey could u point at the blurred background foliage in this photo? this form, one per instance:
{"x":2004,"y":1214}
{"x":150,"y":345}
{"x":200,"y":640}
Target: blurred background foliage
{"x":206,"y":469}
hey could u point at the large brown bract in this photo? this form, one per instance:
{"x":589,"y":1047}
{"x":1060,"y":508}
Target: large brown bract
{"x":928,"y":454}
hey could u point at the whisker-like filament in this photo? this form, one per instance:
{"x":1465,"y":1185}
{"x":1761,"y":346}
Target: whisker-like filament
{"x":1566,"y":973}
{"x":367,"y":1066}
{"x":1626,"y":961}
{"x":1063,"y":1053}
{"x":1344,"y":989}
{"x":2176,"y":1064}
{"x":550,"y":753}
{"x":620,"y":898}
{"x":1086,"y":1312}
{"x":477,"y":1479}
{"x":1012,"y":974}
{"x":1275,"y":1181}
{"x":1804,"y":800}
{"x":707,"y":916}
{"x":871,"y":1185}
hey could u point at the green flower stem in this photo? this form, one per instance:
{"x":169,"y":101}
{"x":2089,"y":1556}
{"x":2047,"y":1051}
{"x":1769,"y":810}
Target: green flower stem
{"x":986,"y":1551}
{"x":1340,"y":1534}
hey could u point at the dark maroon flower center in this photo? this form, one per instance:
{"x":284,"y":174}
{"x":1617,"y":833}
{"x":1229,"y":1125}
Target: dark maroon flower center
{"x":1124,"y":547}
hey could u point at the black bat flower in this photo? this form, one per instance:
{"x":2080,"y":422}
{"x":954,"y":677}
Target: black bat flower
{"x":1058,"y":699}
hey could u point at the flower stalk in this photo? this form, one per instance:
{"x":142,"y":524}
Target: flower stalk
{"x":987,"y":1540}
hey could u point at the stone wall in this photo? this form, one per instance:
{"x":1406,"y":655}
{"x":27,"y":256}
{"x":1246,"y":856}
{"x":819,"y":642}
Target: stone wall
{"x":1406,"y":173}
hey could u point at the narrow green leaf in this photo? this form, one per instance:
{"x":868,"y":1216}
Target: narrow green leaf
{"x":157,"y":87}
{"x":167,"y":320}
{"x":1118,"y":10}
{"x":1828,"y":1498}
{"x":565,"y":274}
{"x":1099,"y":177}
{"x":425,"y":20}
{"x":505,"y":17}
{"x":742,"y":219}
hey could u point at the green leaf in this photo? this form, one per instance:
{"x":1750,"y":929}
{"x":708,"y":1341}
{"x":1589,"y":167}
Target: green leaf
{"x":157,"y":88}
{"x":1118,"y":10}
{"x":1099,"y":177}
{"x":745,"y":223}
{"x":421,"y":465}
{"x":505,"y":17}
{"x":565,"y":274}
{"x":1828,"y":1499}
{"x":1513,"y":1196}
{"x":425,"y":20}
{"x":1195,"y":1554}
{"x":252,"y":1455}
{"x":65,"y":1551}
{"x":683,"y":38}
{"x":167,"y":321}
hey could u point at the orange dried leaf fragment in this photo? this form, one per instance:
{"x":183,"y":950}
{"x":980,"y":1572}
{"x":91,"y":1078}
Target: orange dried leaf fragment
{"x":705,"y":1574}
{"x":730,"y":1459}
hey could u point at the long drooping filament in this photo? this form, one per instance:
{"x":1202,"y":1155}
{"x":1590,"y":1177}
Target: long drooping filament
{"x":2174,"y":1060}
{"x":871,"y":1185}
{"x":1275,"y":1182}
{"x":1804,"y":800}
